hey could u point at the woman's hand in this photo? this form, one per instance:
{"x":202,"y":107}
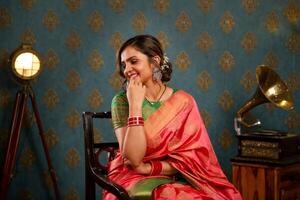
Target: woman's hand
{"x":143,"y":168}
{"x":135,"y":93}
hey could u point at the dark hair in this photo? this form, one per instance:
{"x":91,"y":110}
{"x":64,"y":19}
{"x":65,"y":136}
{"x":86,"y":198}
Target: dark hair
{"x":150,"y":46}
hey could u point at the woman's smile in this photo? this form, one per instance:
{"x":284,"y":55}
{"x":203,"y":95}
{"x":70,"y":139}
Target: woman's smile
{"x":132,"y":75}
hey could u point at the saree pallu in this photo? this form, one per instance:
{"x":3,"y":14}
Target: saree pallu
{"x":176,"y":133}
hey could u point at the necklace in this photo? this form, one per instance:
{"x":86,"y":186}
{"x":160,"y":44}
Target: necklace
{"x":157,"y":101}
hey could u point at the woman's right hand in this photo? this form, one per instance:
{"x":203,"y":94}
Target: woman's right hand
{"x":135,"y":93}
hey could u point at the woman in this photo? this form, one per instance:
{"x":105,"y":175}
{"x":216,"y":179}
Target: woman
{"x":164,"y":146}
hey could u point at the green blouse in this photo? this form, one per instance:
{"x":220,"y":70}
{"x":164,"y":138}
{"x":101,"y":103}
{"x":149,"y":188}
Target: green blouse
{"x":120,"y":109}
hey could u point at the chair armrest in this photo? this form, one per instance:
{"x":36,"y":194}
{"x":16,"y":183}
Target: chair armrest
{"x":110,"y":148}
{"x":98,"y":171}
{"x":95,"y":172}
{"x":108,"y":185}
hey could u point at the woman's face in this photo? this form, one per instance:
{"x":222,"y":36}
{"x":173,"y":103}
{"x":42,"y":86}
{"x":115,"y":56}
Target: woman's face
{"x":136,"y":64}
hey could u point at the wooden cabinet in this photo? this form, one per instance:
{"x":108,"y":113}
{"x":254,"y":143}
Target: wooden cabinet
{"x":266,"y":182}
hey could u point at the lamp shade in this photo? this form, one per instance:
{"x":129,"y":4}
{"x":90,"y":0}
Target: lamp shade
{"x":26,"y":63}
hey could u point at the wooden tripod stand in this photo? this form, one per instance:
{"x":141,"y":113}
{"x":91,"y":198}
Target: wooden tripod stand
{"x":17,"y":120}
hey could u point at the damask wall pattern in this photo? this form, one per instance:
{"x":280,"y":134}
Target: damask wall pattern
{"x":214,"y":46}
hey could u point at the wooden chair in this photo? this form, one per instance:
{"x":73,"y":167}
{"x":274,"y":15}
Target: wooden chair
{"x":95,"y":172}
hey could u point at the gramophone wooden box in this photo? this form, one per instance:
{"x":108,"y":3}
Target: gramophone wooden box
{"x":272,"y":148}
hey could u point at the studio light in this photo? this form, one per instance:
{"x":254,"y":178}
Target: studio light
{"x":26,"y":66}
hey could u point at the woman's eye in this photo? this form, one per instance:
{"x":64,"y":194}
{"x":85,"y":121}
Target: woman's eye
{"x":133,"y":61}
{"x":123,"y":66}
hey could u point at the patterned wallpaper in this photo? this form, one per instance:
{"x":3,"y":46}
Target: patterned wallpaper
{"x":214,"y":45}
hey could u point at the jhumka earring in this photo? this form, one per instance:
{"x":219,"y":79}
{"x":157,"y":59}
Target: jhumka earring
{"x":157,"y":75}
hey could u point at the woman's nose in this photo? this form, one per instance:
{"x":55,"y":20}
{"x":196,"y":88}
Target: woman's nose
{"x":127,"y":69}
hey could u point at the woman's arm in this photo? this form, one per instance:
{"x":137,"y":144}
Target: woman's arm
{"x":132,"y":144}
{"x":136,"y":162}
{"x":120,"y":134}
{"x":132,"y":139}
{"x":167,"y":169}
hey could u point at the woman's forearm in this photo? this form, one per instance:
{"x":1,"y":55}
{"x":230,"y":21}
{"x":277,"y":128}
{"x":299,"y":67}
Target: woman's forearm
{"x":134,"y":145}
{"x":167,"y":169}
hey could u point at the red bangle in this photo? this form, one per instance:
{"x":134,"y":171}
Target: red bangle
{"x":156,"y":167}
{"x":135,"y":121}
{"x":135,"y":118}
{"x":135,"y":124}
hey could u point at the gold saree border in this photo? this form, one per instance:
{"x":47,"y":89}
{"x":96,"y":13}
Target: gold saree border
{"x":162,"y":116}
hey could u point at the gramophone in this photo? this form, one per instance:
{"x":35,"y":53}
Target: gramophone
{"x":256,"y":142}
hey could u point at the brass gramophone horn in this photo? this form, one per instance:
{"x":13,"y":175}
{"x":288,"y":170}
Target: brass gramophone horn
{"x":270,"y":89}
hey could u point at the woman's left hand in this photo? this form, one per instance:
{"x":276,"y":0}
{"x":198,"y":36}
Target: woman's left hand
{"x":143,"y":168}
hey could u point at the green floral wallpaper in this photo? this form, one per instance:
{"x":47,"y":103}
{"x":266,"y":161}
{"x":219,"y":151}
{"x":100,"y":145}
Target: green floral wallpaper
{"x":214,"y":45}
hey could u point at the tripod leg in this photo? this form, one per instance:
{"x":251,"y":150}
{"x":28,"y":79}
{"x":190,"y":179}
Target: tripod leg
{"x":13,"y":143}
{"x":45,"y":146}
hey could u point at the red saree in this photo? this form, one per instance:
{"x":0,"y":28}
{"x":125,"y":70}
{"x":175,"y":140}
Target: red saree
{"x":176,"y":133}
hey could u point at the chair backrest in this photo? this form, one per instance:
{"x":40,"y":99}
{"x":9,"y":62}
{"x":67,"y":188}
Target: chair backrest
{"x":95,"y":172}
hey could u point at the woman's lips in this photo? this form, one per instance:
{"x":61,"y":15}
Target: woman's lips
{"x":133,"y":76}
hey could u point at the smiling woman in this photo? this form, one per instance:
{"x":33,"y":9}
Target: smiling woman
{"x":165,"y":151}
